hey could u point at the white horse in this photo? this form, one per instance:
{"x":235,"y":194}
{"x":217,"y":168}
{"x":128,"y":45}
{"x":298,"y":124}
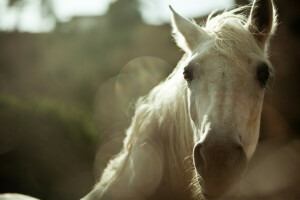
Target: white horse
{"x":193,"y":135}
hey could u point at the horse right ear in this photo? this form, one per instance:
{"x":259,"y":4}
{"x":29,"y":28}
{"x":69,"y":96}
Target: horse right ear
{"x":186,"y":33}
{"x":262,"y":21}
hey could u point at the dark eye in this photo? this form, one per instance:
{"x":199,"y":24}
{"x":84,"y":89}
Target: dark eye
{"x":263,"y":74}
{"x":187,"y":74}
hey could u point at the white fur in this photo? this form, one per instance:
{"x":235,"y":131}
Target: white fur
{"x":176,"y":115}
{"x":14,"y":196}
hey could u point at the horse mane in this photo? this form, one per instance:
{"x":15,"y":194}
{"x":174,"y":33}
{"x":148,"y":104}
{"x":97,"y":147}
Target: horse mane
{"x":166,"y":108}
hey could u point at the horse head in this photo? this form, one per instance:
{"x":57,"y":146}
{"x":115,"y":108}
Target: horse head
{"x":226,"y":72}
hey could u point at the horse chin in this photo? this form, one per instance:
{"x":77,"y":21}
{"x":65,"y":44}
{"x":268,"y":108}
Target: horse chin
{"x":213,"y":194}
{"x":218,"y":197}
{"x":212,"y":191}
{"x":211,"y":197}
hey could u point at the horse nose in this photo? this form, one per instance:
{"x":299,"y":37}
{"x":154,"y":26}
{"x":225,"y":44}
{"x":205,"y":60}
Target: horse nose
{"x":223,"y":156}
{"x":219,"y":163}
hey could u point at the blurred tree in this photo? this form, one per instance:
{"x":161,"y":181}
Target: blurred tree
{"x":46,"y":6}
{"x":242,"y":2}
{"x":46,"y":9}
{"x":124,"y":13}
{"x":19,"y":5}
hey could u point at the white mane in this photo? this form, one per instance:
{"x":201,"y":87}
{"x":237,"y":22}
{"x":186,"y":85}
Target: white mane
{"x":167,"y":105}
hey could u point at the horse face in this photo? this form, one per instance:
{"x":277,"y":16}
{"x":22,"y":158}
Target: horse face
{"x":226,"y":73}
{"x":225,"y":103}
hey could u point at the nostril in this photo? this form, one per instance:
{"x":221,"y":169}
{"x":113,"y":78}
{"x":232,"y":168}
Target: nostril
{"x":199,"y":160}
{"x":240,"y":148}
{"x":232,"y":156}
{"x":241,"y":158}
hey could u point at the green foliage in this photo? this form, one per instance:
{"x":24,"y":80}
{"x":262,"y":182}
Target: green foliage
{"x":46,"y":147}
{"x":14,"y":2}
{"x":78,"y":124}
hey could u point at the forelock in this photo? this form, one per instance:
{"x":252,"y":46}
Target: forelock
{"x":230,"y":34}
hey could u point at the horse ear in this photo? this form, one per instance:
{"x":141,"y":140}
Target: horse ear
{"x":262,"y":21}
{"x":186,"y":33}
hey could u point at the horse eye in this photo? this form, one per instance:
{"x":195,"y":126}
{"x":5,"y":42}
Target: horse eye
{"x":187,"y":75}
{"x":263,"y":74}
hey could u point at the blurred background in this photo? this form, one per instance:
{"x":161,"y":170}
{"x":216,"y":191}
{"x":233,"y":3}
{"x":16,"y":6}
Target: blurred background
{"x":70,"y":72}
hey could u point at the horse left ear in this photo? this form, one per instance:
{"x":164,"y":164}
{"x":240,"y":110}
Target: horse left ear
{"x":187,"y":34}
{"x":262,"y":21}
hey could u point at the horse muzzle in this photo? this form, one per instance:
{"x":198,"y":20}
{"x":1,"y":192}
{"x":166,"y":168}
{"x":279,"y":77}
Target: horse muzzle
{"x":220,"y":166}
